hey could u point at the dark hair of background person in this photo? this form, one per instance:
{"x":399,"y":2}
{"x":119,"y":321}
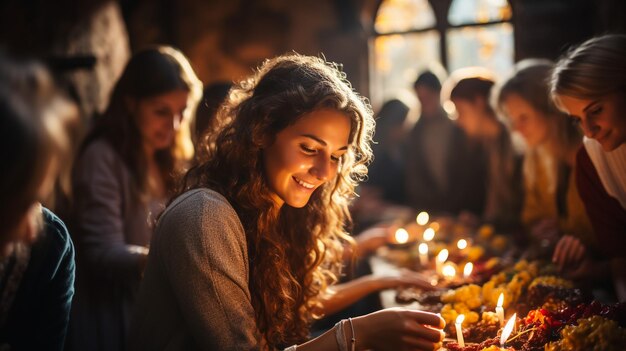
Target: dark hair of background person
{"x":150,"y":72}
{"x":428,"y":79}
{"x":212,"y":98}
{"x":392,"y":114}
{"x":30,"y":137}
{"x":472,"y":88}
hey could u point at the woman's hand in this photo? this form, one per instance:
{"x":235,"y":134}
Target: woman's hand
{"x":569,"y":253}
{"x":399,"y":329}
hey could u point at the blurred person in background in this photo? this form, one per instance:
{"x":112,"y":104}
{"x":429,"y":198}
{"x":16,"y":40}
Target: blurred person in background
{"x":552,"y":207}
{"x":125,"y":172}
{"x":212,"y":98}
{"x":490,"y":139}
{"x":441,"y":173}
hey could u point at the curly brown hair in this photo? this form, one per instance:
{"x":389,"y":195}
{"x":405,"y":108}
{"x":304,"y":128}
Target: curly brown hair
{"x":295,"y":253}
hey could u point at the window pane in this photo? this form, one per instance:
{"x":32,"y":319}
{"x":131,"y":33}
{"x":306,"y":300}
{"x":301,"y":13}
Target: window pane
{"x":478,"y":11}
{"x":397,"y":61}
{"x":404,"y":15}
{"x":486,"y":46}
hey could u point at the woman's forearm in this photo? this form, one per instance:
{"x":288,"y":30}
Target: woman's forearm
{"x":347,"y":293}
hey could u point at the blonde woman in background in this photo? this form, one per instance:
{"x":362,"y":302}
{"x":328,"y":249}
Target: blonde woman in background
{"x":552,"y":206}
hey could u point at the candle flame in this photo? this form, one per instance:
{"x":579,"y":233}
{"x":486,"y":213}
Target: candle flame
{"x":402,"y":236}
{"x":442,"y":256}
{"x":467,"y":270}
{"x":501,"y":300}
{"x":460,"y":319}
{"x":422,"y":218}
{"x":423,"y":248}
{"x":429,"y":234}
{"x":508,"y":329}
{"x":448,"y":270}
{"x":461,"y":244}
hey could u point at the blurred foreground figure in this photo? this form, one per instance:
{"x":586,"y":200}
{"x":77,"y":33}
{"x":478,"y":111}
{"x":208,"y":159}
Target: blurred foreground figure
{"x":36,"y":253}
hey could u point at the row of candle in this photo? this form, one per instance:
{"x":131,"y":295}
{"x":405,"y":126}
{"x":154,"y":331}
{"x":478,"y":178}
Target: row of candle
{"x":402,"y":237}
{"x":508,"y":328}
{"x":506,"y":332}
{"x":448,"y":271}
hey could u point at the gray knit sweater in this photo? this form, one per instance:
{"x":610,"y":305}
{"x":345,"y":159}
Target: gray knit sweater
{"x":195,"y":294}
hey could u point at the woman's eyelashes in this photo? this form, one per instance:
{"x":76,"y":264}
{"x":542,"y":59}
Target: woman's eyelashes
{"x":312,"y":151}
{"x":594,"y":112}
{"x":308,"y":150}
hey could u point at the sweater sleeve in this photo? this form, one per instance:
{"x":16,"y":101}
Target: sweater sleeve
{"x":607,"y":216}
{"x":41,"y":311}
{"x":204,"y":256}
{"x":98,"y":215}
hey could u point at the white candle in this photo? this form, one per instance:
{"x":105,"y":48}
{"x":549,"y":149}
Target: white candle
{"x":461,"y":244}
{"x":429,"y":234}
{"x":423,"y":250}
{"x":508,"y":329}
{"x":459,"y":330}
{"x":467,"y":270}
{"x":441,"y":258}
{"x":500,"y":310}
{"x":402,"y":236}
{"x":422,"y":218}
{"x":448,"y":271}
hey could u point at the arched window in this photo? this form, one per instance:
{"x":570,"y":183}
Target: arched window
{"x":480,"y":35}
{"x":410,"y":36}
{"x":406,"y":42}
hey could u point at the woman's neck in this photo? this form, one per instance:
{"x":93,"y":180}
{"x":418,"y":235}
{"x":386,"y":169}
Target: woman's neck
{"x":156,"y":183}
{"x":490,"y":128}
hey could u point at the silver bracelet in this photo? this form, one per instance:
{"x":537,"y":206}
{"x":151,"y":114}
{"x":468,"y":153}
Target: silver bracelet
{"x":353,"y":340}
{"x":340,"y":336}
{"x":291,"y":348}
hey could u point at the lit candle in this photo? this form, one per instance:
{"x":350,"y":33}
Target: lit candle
{"x":422,"y":218}
{"x":429,"y":234}
{"x":402,"y":236}
{"x":508,"y":329}
{"x":448,"y":271}
{"x":467,"y":270}
{"x":459,"y":330}
{"x":423,"y":250}
{"x":499,"y":309}
{"x":441,"y":258}
{"x":461,"y":244}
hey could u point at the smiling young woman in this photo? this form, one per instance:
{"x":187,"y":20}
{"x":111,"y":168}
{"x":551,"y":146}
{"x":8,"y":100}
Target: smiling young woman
{"x":244,"y":257}
{"x":589,"y":84}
